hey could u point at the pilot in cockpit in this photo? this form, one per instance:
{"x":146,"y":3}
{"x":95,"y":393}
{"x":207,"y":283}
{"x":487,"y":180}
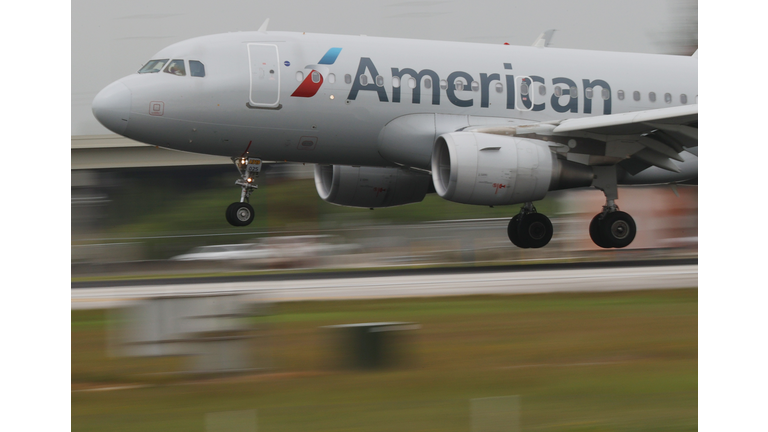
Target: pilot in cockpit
{"x":176,"y":67}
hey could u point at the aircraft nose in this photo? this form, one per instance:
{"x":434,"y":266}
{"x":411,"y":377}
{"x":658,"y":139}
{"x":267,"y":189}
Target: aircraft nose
{"x":112,"y":107}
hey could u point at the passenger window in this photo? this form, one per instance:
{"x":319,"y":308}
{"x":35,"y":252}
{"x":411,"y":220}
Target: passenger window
{"x":588,"y":92}
{"x":475,"y":86}
{"x":667,"y":98}
{"x":153,"y":66}
{"x":443,"y":84}
{"x":636,"y":96}
{"x":543,"y":90}
{"x":620,"y":94}
{"x":196,"y":68}
{"x":348,"y":79}
{"x":364,"y":80}
{"x":332,"y":78}
{"x":683,"y":99}
{"x":379,"y":80}
{"x":499,"y":88}
{"x":315,"y":77}
{"x":558,"y":91}
{"x":605,"y":93}
{"x":574,"y":92}
{"x":176,"y":67}
{"x":523,"y":88}
{"x":299,"y":76}
{"x":458,"y":85}
{"x":427,"y":83}
{"x":412,"y":83}
{"x":396,"y":82}
{"x":652,"y":97}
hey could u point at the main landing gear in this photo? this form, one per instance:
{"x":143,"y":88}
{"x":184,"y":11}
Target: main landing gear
{"x":610,"y":228}
{"x":529,"y":229}
{"x":241,"y":213}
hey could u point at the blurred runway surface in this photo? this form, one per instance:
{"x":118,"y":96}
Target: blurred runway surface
{"x":412,"y":285}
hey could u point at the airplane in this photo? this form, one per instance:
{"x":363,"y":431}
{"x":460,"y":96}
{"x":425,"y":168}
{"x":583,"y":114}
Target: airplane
{"x":388,"y":120}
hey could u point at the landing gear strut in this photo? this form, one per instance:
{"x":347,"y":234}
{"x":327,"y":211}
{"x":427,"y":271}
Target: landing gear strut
{"x":241,"y":213}
{"x":529,"y":229}
{"x":611,"y":228}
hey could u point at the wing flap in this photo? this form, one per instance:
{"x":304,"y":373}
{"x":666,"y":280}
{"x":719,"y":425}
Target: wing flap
{"x":660,"y":148}
{"x":633,"y":122}
{"x":657,"y":159}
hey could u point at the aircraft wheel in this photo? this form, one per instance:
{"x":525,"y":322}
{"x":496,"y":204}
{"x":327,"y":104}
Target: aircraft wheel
{"x":240,"y":214}
{"x":618,"y":229}
{"x":595,"y":234}
{"x":512,"y":232}
{"x":535,"y":230}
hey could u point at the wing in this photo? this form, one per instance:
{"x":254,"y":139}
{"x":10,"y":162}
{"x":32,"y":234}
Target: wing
{"x":635,"y":141}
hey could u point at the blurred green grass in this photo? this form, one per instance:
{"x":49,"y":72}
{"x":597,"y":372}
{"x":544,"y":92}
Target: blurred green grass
{"x":580,"y":362}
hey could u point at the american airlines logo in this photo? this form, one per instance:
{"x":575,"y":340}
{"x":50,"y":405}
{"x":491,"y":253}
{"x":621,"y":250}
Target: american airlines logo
{"x":314,"y":79}
{"x":462,"y":88}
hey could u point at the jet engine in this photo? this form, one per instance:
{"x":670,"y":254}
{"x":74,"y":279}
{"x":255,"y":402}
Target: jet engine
{"x":486,"y":169}
{"x":370,"y":187}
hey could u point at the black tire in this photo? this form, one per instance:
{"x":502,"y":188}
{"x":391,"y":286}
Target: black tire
{"x":240,"y":214}
{"x":595,"y":234}
{"x":535,"y":230}
{"x":512,"y":232}
{"x":618,"y":229}
{"x":229,"y":213}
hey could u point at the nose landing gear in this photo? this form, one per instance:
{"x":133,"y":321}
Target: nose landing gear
{"x":241,"y":213}
{"x":529,"y":229}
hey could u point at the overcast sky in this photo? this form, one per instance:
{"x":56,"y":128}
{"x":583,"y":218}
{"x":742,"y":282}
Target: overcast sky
{"x":114,"y":38}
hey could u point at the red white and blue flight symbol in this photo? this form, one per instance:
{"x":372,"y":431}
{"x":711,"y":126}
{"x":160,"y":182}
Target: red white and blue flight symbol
{"x":314,"y":78}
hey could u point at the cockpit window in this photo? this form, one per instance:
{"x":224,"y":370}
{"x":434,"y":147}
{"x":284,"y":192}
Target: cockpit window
{"x":176,"y":67}
{"x":153,"y":66}
{"x":196,"y":68}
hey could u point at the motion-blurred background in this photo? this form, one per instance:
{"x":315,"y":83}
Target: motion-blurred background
{"x":171,"y":219}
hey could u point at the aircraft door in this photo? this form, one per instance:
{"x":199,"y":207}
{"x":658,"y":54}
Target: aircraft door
{"x":524,"y":86}
{"x":265,"y":75}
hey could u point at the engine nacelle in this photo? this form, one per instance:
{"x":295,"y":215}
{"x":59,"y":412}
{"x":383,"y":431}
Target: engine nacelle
{"x":370,"y":187}
{"x":486,"y":169}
